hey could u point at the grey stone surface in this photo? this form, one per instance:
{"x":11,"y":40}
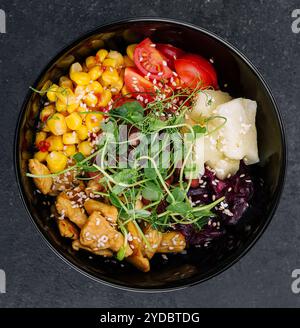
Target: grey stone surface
{"x":36,"y":30}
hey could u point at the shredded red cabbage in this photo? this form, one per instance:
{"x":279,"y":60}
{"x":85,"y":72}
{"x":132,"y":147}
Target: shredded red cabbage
{"x":238,"y":191}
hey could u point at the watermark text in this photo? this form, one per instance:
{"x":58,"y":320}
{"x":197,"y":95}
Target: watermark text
{"x":296,"y":22}
{"x":2,"y":21}
{"x":2,"y":282}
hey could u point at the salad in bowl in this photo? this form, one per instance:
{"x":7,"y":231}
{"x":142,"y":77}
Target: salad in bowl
{"x":143,"y":152}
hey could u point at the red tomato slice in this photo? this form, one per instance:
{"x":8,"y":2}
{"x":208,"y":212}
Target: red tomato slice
{"x":193,"y":69}
{"x":136,"y":84}
{"x":150,"y":62}
{"x":170,"y":53}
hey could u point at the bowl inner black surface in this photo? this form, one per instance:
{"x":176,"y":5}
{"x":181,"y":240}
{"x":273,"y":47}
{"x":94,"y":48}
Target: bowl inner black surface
{"x":241,"y":80}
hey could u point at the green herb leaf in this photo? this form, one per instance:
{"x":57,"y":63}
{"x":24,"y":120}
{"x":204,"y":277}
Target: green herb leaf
{"x":139,"y":213}
{"x":150,"y":173}
{"x":155,"y":124}
{"x":151,"y":191}
{"x":178,"y":195}
{"x":131,"y":111}
{"x":126,"y":176}
{"x":114,"y":199}
{"x":79,"y":157}
{"x":121,"y":253}
{"x":179,"y":207}
{"x":199,"y":129}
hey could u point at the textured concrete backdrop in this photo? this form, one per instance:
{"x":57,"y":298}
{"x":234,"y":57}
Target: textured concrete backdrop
{"x":37,"y":30}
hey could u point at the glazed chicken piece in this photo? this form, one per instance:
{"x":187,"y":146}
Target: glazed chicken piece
{"x":103,"y":252}
{"x":64,"y":182}
{"x":94,"y":185}
{"x":154,"y":238}
{"x":66,"y":208}
{"x":99,"y":234}
{"x":43,"y":184}
{"x":67,"y":229}
{"x":109,"y":211}
{"x":137,"y":258}
{"x":172,"y":242}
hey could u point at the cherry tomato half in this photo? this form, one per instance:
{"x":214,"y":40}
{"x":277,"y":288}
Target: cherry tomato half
{"x":150,"y":62}
{"x":194,"y":69}
{"x":136,"y":84}
{"x":170,"y":53}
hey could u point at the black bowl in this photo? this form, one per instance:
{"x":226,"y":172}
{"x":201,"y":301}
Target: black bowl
{"x":242,"y":79}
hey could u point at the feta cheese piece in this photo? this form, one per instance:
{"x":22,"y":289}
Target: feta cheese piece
{"x":238,"y":137}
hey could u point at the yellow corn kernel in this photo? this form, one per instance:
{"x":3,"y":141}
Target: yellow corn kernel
{"x":41,"y":155}
{"x":76,"y":67}
{"x":60,"y":106}
{"x":69,"y":150}
{"x":40,"y":136}
{"x":116,"y":87}
{"x":117,"y":57}
{"x":101,"y":55}
{"x":69,"y":103}
{"x":57,"y":124}
{"x":66,"y":95}
{"x":90,"y":62}
{"x":109,"y":77}
{"x":65,"y":82}
{"x":56,"y":161}
{"x":83,"y":132}
{"x":80,"y":78}
{"x":93,"y":121}
{"x":85,"y":148}
{"x":95,"y":86}
{"x":91,"y":100}
{"x":110,"y":62}
{"x":128,"y":62}
{"x":80,"y":91}
{"x":70,"y":138}
{"x":72,"y":107}
{"x":47,"y":112}
{"x":45,"y":128}
{"x":125,"y":92}
{"x":95,"y":73}
{"x":130,"y":50}
{"x":104,"y":98}
{"x":73,"y":121}
{"x":52,"y":92}
{"x":55,"y":143}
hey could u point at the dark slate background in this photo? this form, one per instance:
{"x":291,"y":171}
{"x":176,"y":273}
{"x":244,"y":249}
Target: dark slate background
{"x":36,"y":31}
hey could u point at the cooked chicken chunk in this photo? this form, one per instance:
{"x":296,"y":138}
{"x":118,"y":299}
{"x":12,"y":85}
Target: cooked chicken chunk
{"x":154,"y":238}
{"x":137,"y":258}
{"x":43,"y":184}
{"x":65,"y":208}
{"x":109,"y":211}
{"x":67,"y":229}
{"x":172,"y":242}
{"x":93,"y":185}
{"x":103,"y":252}
{"x":98,"y":234}
{"x":64,"y":182}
